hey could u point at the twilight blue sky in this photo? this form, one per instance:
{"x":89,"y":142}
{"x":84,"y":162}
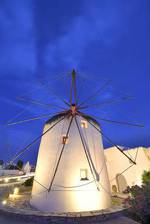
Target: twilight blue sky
{"x":42,"y":39}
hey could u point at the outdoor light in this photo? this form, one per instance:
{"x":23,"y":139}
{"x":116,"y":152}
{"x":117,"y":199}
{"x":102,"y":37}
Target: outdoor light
{"x":4,"y":202}
{"x":6,"y":180}
{"x":15,"y":194}
{"x":16,"y":190}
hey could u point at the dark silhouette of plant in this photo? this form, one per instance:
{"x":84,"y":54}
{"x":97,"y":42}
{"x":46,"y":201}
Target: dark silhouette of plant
{"x":138,"y":201}
{"x":29,"y":182}
{"x":20,"y":164}
{"x":1,"y":162}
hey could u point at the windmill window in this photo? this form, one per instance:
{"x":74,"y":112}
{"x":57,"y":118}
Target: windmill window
{"x":83,"y":174}
{"x":84,"y":124}
{"x":64,"y":139}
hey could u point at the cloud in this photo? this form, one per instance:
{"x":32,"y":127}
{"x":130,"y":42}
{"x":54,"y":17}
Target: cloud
{"x":42,"y":38}
{"x":17,"y":39}
{"x":98,"y":23}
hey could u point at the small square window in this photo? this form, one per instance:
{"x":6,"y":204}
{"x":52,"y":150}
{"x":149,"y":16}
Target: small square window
{"x":84,"y":124}
{"x":65,"y":139}
{"x":83,"y":174}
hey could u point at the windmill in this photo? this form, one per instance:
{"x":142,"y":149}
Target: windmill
{"x":71,"y":173}
{"x":69,"y":166}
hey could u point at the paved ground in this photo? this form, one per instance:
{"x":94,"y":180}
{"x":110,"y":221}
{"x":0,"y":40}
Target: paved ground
{"x":4,"y":220}
{"x":120,"y":220}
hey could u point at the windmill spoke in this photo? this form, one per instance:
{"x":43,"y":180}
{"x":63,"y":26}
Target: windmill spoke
{"x":34,"y":141}
{"x":63,"y":147}
{"x":27,"y":120}
{"x":98,"y":105}
{"x":18,"y":150}
{"x":38,"y":103}
{"x":74,"y":85}
{"x":120,"y":122}
{"x":73,"y":91}
{"x":41,"y":87}
{"x":32,"y":101}
{"x":110,"y":141}
{"x":17,"y":115}
{"x":95,"y":94}
{"x":136,"y":154}
{"x":52,"y":92}
{"x":79,"y":89}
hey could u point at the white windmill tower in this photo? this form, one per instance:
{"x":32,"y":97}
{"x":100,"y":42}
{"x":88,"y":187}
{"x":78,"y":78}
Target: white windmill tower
{"x":71,"y":167}
{"x":71,"y":173}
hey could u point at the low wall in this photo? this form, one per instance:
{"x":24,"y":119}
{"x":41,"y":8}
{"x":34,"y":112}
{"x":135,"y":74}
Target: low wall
{"x":10,"y":172}
{"x":64,"y":219}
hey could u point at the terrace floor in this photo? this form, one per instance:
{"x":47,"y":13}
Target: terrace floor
{"x":119,"y":220}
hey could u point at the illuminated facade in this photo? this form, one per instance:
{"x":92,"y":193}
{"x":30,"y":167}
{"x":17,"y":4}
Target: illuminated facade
{"x":79,"y":184}
{"x":122,"y":172}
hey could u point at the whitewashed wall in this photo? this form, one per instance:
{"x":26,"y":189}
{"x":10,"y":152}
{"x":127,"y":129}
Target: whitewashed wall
{"x":64,"y":196}
{"x":117,"y":163}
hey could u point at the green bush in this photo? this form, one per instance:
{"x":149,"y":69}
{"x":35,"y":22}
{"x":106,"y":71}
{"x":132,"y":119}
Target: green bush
{"x":146,"y":177}
{"x":29,"y":182}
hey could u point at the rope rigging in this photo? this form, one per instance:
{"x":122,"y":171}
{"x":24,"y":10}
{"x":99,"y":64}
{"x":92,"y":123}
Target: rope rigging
{"x":122,"y":172}
{"x":58,"y":148}
{"x":110,"y":141}
{"x":30,"y":119}
{"x":73,"y":101}
{"x":52,"y":92}
{"x":95,"y":94}
{"x":32,"y":101}
{"x":99,"y":105}
{"x":133,"y":161}
{"x":120,"y":122}
{"x":81,"y":185}
{"x":33,"y":179}
{"x":34,"y":141}
{"x":63,"y":147}
{"x":87,"y":156}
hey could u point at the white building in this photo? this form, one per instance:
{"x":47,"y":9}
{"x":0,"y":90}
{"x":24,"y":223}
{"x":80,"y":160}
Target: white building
{"x":81,"y":181}
{"x":27,"y":168}
{"x":122,"y":172}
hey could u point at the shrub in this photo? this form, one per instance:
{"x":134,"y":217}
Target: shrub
{"x":146,"y":177}
{"x":29,"y":182}
{"x":20,"y":164}
{"x":139,"y":199}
